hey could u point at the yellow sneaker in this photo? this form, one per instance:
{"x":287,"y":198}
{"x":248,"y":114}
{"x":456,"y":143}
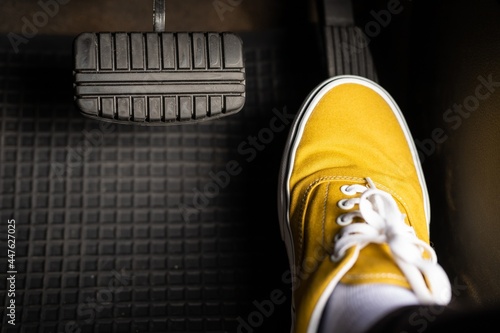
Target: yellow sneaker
{"x":353,"y":204}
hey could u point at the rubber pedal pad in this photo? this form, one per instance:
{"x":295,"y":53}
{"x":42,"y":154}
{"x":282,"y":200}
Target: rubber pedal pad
{"x":158,"y":78}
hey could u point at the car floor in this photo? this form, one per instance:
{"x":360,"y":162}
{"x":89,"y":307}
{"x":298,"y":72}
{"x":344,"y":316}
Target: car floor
{"x":136,"y":229}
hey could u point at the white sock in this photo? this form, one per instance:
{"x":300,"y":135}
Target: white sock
{"x":356,"y":308}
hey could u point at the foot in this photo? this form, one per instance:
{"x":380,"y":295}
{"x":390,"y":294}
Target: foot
{"x":353,"y":204}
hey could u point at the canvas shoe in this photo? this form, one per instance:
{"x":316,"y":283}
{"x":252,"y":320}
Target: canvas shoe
{"x":353,"y":203}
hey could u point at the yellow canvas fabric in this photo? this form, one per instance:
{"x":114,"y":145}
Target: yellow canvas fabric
{"x":352,"y":134}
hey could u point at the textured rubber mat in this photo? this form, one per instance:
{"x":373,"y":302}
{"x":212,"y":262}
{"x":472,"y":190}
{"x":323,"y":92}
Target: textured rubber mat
{"x":122,"y":228}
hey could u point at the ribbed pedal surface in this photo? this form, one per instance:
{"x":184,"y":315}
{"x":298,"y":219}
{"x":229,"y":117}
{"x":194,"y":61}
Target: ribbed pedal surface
{"x":158,"y":78}
{"x":347,"y":52}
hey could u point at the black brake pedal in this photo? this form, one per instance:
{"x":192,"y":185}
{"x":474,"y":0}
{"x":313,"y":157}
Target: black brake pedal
{"x":158,"y":78}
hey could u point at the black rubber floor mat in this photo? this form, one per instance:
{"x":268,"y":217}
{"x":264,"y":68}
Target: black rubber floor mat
{"x":123,"y":228}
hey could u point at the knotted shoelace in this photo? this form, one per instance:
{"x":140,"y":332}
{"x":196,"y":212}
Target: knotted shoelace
{"x":381,"y":222}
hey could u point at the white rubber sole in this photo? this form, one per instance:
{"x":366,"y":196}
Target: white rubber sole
{"x":295,"y":136}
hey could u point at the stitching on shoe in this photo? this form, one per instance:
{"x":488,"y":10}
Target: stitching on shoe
{"x":330,"y":178}
{"x":323,"y":240}
{"x":357,"y":277}
{"x":303,"y":204}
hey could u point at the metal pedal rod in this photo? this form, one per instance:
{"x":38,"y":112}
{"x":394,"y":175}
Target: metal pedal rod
{"x":158,"y":78}
{"x":159,"y":13}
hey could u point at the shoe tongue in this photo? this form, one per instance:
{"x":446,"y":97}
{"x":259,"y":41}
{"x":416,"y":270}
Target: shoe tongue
{"x":375,"y":264}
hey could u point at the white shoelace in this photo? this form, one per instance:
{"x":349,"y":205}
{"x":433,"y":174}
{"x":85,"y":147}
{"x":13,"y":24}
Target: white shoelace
{"x":384,"y":224}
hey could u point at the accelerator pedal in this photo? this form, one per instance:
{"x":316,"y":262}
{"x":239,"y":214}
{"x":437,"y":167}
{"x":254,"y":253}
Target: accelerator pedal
{"x":158,"y":78}
{"x":345,"y":45}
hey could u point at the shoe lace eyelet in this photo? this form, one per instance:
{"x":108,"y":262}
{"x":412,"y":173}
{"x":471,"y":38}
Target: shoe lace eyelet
{"x":335,"y":258}
{"x":346,"y":204}
{"x":347,"y":190}
{"x":343,"y":220}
